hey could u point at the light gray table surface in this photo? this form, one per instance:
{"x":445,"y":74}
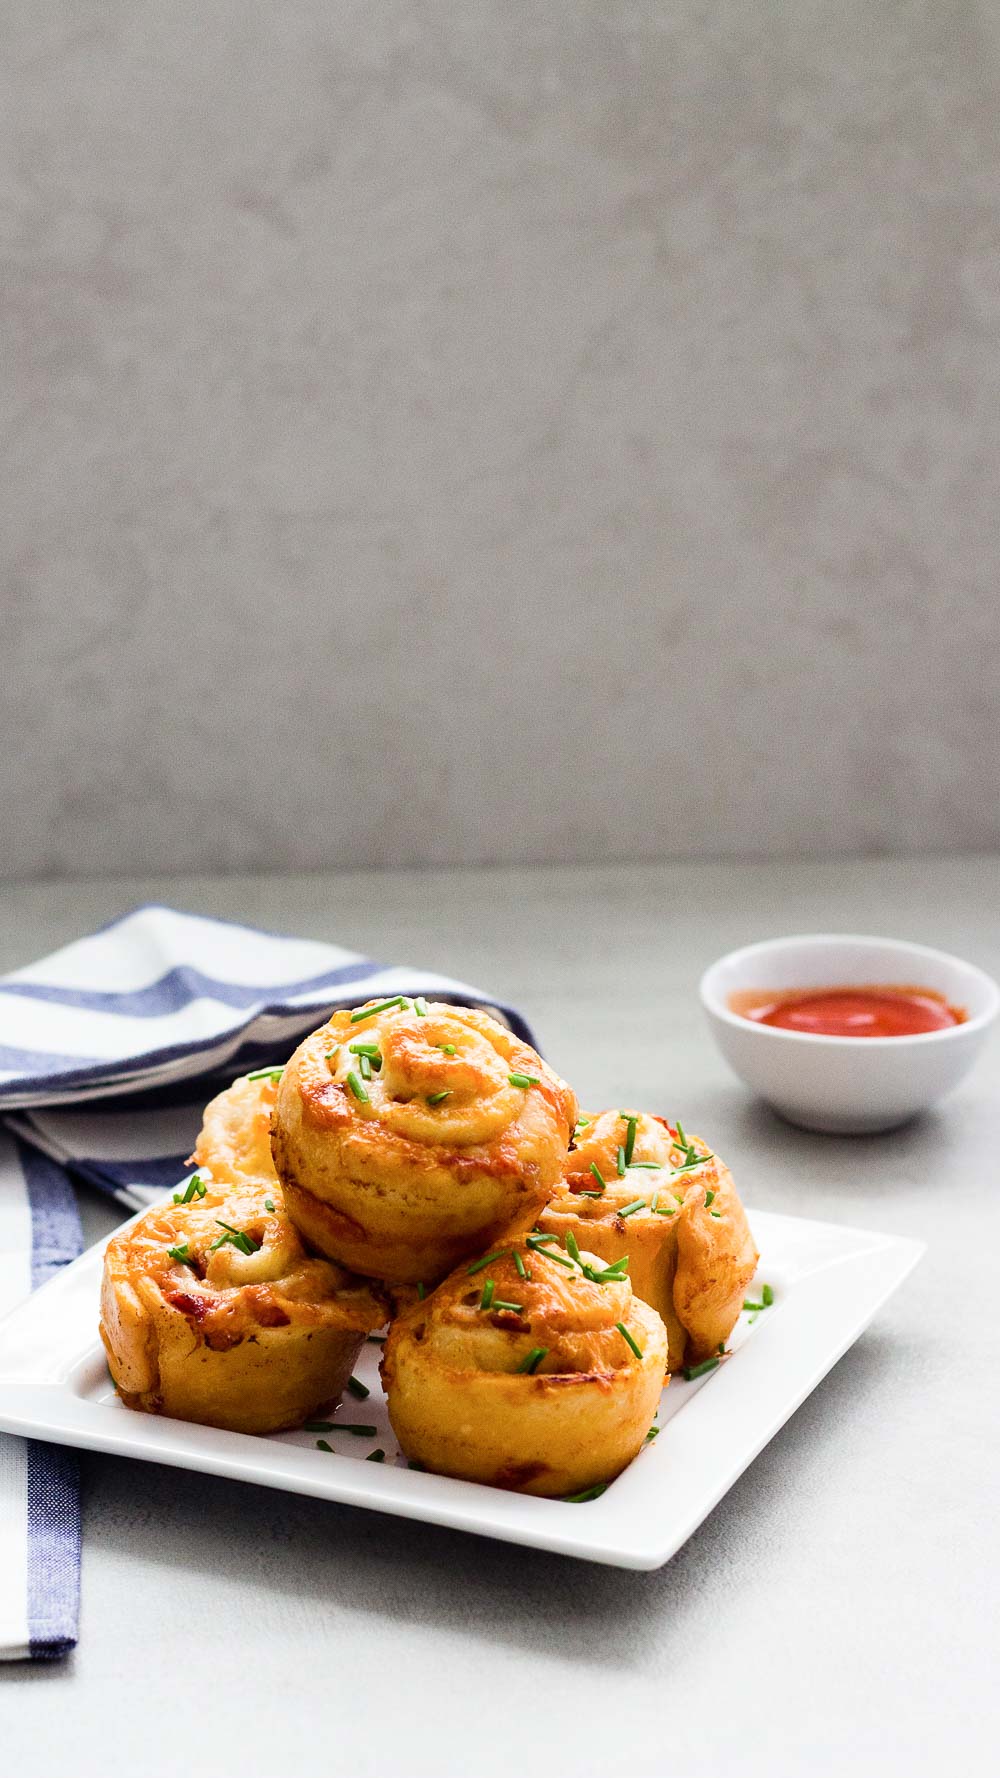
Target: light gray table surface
{"x":838,"y":1609}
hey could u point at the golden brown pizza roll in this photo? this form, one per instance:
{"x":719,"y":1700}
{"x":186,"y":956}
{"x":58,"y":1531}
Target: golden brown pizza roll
{"x":408,"y":1136}
{"x":527,"y":1369}
{"x":634,"y":1185}
{"x":234,"y":1143}
{"x":212,"y":1310}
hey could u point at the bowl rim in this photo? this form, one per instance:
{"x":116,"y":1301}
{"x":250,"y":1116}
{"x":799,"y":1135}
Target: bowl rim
{"x":713,"y":1003}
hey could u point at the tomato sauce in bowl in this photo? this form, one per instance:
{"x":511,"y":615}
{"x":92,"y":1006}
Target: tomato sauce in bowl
{"x":869,"y":1010}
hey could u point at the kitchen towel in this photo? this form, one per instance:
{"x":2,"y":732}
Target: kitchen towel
{"x":109,"y":1049}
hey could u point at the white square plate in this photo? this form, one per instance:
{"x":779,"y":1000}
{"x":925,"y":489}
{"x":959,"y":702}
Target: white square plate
{"x":828,"y":1283}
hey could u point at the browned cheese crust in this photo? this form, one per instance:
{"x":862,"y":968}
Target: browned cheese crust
{"x":252,"y":1341}
{"x":691,"y":1253}
{"x":234,"y":1142}
{"x":440,"y":1154}
{"x":460,"y":1406}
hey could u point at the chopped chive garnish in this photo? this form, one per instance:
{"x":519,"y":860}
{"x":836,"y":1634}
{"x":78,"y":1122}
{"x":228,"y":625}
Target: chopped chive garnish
{"x":721,"y":1347}
{"x":363,"y":1049}
{"x":709,"y":1199}
{"x":537,"y":1239}
{"x":582,"y":1122}
{"x":234,"y":1238}
{"x":716,"y":1213}
{"x":691,"y":1156}
{"x":420,"y":1007}
{"x":368,"y":1012}
{"x":489,"y":1289}
{"x":447,"y":1048}
{"x":700,"y":1370}
{"x":365,"y":1067}
{"x":414,"y":1463}
{"x":375,"y":1457}
{"x":359,"y":1390}
{"x":755,"y":1308}
{"x":267,"y":1073}
{"x":654,"y":1200}
{"x":317,"y":1426}
{"x":180,"y":1252}
{"x":524,"y":1080}
{"x":269,"y":1205}
{"x":593,"y":1493}
{"x":646,"y":1166}
{"x":195,"y":1188}
{"x":522,"y":1270}
{"x":480,"y":1265}
{"x":421,"y":1292}
{"x":611,"y":1275}
{"x":331,"y":1058}
{"x":436,"y":1098}
{"x":560,"y":1258}
{"x":571,"y":1246}
{"x":376,"y":1339}
{"x":588,"y":1194}
{"x":653,"y":1432}
{"x":620,"y":1163}
{"x":630,"y":1209}
{"x":768,"y":1295}
{"x":529,"y":1365}
{"x":359,"y":1091}
{"x":631,"y":1125}
{"x":321,"y":1445}
{"x":242,"y":1243}
{"x":598,"y":1175}
{"x":627,"y":1337}
{"x":665,"y":1212}
{"x":511,"y":1308}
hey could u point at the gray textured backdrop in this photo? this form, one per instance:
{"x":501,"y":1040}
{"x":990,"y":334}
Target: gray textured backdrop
{"x":488,"y":430}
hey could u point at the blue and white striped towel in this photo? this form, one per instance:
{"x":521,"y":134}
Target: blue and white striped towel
{"x":147,"y":1017}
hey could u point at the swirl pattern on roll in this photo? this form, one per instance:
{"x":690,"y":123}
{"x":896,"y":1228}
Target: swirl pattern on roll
{"x":531,"y":1371}
{"x":407,"y":1137}
{"x":673,"y":1208}
{"x":213,"y":1310}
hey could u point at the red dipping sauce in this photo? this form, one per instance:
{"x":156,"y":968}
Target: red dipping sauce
{"x":874,"y":1011}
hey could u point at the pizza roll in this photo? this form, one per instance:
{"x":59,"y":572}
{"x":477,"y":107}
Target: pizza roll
{"x":212,"y":1310}
{"x":234,"y":1142}
{"x":527,"y":1369}
{"x":635,"y":1185}
{"x":408,"y":1136}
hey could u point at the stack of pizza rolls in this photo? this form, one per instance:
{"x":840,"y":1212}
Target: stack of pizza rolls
{"x":542,"y":1274}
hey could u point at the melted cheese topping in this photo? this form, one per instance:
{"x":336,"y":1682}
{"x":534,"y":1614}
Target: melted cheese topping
{"x":556,"y":1308}
{"x":439,"y":1080}
{"x":661,"y":1171}
{"x":217,"y":1282}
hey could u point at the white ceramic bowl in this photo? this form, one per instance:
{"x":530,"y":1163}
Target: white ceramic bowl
{"x":848,"y":1085}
